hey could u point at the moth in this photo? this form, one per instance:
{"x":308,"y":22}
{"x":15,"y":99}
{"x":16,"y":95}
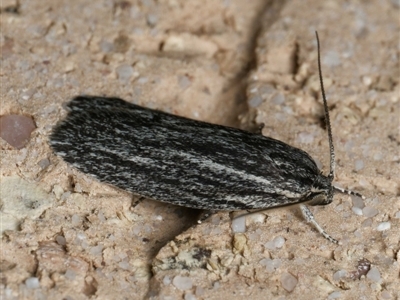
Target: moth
{"x":191,"y":163}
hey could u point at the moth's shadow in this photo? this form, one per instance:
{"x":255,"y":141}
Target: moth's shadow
{"x":163,"y":222}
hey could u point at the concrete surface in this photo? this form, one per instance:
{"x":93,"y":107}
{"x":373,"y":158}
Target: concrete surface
{"x":237,"y":63}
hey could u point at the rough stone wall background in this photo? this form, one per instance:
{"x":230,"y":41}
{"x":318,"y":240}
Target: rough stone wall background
{"x":64,"y":235}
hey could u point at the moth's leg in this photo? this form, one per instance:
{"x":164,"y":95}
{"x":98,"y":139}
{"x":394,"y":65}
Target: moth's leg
{"x":307,"y":214}
{"x":344,"y":191}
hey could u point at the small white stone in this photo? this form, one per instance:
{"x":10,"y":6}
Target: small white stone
{"x":370,"y":212}
{"x":106,"y":46}
{"x":358,"y":211}
{"x":383,"y":226}
{"x":32,"y":283}
{"x":76,"y":220}
{"x":386,"y":295}
{"x":358,"y":233}
{"x":101,"y":217}
{"x":69,"y":274}
{"x":334,"y":295}
{"x":184,"y":82}
{"x":305,"y":138}
{"x":216,"y":285}
{"x":190,"y":296}
{"x":279,"y":241}
{"x":257,"y":218}
{"x":152,"y":19}
{"x":96,"y":250}
{"x":166,"y":280}
{"x":80,"y":236}
{"x":367,"y":223}
{"x":288,"y":281}
{"x":359,"y":165}
{"x":182,"y":283}
{"x":367,"y":80}
{"x":61,"y":240}
{"x":199,"y":291}
{"x":270,"y":245}
{"x":278,"y":99}
{"x":339,"y":275}
{"x":44,"y":163}
{"x":58,"y":191}
{"x":158,"y":218}
{"x":124,"y":265}
{"x":332,"y":59}
{"x":374,"y":274}
{"x":69,"y":66}
{"x":142,"y":80}
{"x":124,"y":72}
{"x":271,"y":264}
{"x":215,"y":220}
{"x":239,"y":224}
{"x":357,"y":202}
{"x":255,"y":101}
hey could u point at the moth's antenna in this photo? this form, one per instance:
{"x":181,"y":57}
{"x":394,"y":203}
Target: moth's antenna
{"x":327,"y":119}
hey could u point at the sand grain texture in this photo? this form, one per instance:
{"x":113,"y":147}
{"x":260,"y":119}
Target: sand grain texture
{"x":207,"y":61}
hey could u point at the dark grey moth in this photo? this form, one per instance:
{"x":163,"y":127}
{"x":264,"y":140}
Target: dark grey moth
{"x":190,"y":163}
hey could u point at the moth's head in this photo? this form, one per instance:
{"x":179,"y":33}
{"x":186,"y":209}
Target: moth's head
{"x":322,"y":191}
